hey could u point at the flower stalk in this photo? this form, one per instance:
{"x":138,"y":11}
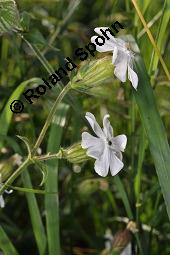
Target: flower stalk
{"x":30,"y":158}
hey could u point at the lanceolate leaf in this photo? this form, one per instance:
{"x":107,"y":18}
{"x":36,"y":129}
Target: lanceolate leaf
{"x":51,"y":200}
{"x":5,"y":244}
{"x":155,"y":130}
{"x":35,"y":215}
{"x":6,"y":116}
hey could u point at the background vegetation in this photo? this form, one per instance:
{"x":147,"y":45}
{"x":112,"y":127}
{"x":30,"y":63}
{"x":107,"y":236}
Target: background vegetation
{"x":32,"y":45}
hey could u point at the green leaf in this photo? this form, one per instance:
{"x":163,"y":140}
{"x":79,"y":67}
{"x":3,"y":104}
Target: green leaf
{"x":162,"y":35}
{"x":5,"y":244}
{"x":9,"y":16}
{"x":6,"y":116}
{"x":35,"y":37}
{"x":154,"y":128}
{"x":124,"y":197}
{"x":51,"y":200}
{"x":26,"y":142}
{"x":35,"y":215}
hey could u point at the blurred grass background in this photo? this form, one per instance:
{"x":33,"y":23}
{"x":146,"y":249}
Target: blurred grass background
{"x":88,"y":205}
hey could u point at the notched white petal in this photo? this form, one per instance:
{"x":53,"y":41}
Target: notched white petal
{"x":107,"y":128}
{"x":112,"y":39}
{"x":120,"y":142}
{"x":102,"y":164}
{"x":121,"y":64}
{"x":115,"y":54}
{"x":93,"y":123}
{"x":132,"y":76}
{"x":115,"y":164}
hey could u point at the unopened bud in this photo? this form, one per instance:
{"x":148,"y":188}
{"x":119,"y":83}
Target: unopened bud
{"x":74,"y":154}
{"x":92,"y":74}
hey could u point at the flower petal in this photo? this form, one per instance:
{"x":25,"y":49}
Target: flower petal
{"x":95,"y":126}
{"x":103,"y":48}
{"x":115,"y":164}
{"x":107,"y":128}
{"x":121,"y":43}
{"x":115,"y":53}
{"x":132,"y":76}
{"x":121,"y":64}
{"x":119,"y":142}
{"x":119,"y":155}
{"x":101,"y":165}
{"x":94,"y":145}
{"x":112,"y":38}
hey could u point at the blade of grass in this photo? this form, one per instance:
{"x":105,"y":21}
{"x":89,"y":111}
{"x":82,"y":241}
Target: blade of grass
{"x":163,"y":33}
{"x":5,"y":244}
{"x":52,"y":200}
{"x":6,"y":116}
{"x":38,"y":228}
{"x":154,"y":128}
{"x":35,"y":215}
{"x":138,"y":177}
{"x":150,"y":23}
{"x":124,"y":197}
{"x":73,"y":5}
{"x":151,"y":38}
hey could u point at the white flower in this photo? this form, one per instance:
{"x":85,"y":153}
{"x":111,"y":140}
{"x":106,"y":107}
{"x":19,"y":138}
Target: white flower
{"x":106,"y":149}
{"x":122,"y":56}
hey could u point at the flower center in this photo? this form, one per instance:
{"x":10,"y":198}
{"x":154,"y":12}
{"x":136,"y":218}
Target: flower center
{"x":109,"y":143}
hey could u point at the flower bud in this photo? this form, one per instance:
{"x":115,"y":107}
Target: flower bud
{"x":93,"y":73}
{"x":74,"y":154}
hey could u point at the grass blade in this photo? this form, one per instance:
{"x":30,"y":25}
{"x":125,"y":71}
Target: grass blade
{"x":163,"y":34}
{"x":151,"y":38}
{"x":5,"y":244}
{"x":6,"y":116}
{"x":155,"y":130}
{"x":37,"y":224}
{"x":51,"y":200}
{"x":124,"y":196}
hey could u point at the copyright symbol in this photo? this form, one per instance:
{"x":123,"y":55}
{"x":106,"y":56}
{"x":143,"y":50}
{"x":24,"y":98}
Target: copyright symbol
{"x":17,"y":106}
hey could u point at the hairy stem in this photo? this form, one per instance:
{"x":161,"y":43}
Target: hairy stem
{"x":48,"y":156}
{"x":15,"y":174}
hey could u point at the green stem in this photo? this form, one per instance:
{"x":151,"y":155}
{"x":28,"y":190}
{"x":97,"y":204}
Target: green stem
{"x":41,"y":58}
{"x":29,"y":160}
{"x":15,"y":175}
{"x":48,"y":156}
{"x":50,"y":117}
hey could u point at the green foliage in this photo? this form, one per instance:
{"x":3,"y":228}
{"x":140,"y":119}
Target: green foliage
{"x":5,"y":244}
{"x":73,"y":207}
